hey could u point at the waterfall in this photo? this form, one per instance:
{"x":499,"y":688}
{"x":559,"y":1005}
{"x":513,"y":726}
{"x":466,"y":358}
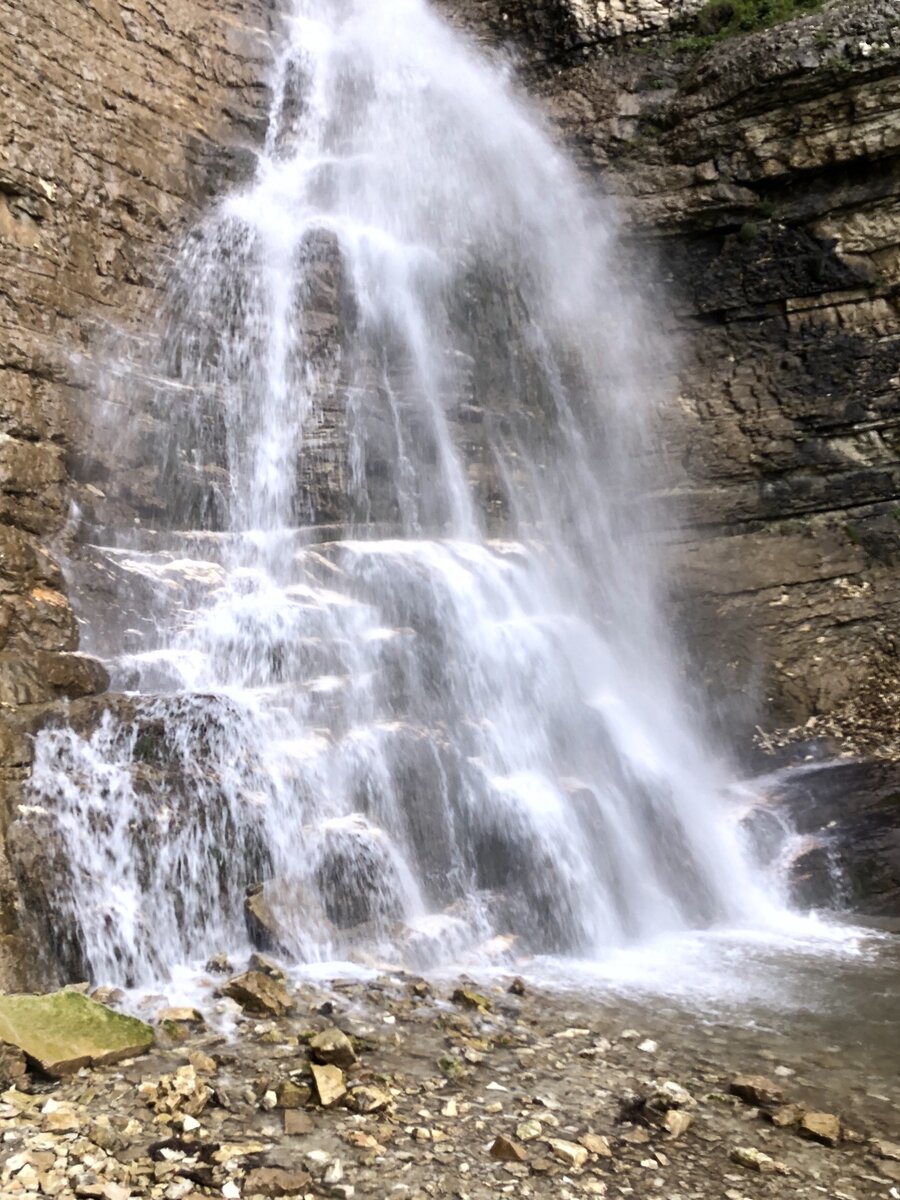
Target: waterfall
{"x":393,"y":648}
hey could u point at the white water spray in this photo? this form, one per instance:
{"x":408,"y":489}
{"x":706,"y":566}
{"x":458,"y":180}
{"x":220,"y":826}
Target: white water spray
{"x":452,"y":715}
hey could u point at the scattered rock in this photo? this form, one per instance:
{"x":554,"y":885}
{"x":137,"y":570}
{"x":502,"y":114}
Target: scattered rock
{"x":882,"y":1149}
{"x":670,"y":1095}
{"x":296,"y":1122}
{"x":219,"y":964}
{"x":756,"y":1089}
{"x":275,"y":1181}
{"x":752,"y":1159}
{"x":65,"y":1031}
{"x":181,"y":1092}
{"x":526,"y":1131}
{"x":268,"y":966}
{"x":677,"y":1121}
{"x":257,"y":992}
{"x":820,"y":1127}
{"x":334,"y":1047}
{"x":181,"y":1016}
{"x":506,"y":1150}
{"x":786,"y":1115}
{"x":517,"y":987}
{"x":291,"y":1095}
{"x":13,"y":1067}
{"x":466,"y":998}
{"x":329,"y":1084}
{"x":597,"y":1145}
{"x":367,"y":1099}
{"x":569,"y":1153}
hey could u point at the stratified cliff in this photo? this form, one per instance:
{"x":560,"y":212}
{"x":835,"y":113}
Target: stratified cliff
{"x":759,"y":179}
{"x":116,"y":119}
{"x":763,"y":173}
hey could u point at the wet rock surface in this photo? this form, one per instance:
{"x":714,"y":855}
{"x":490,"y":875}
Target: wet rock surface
{"x":539,"y":1095}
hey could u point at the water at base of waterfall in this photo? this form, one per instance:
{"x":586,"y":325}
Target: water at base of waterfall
{"x":448,"y":727}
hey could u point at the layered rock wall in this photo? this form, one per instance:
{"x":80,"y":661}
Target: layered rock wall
{"x":762,"y":177}
{"x":759,"y":177}
{"x":117,"y":118}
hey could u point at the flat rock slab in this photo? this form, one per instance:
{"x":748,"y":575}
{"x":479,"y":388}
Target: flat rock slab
{"x":65,"y":1031}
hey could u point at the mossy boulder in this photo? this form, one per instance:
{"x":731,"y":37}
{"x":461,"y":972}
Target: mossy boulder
{"x":65,"y":1031}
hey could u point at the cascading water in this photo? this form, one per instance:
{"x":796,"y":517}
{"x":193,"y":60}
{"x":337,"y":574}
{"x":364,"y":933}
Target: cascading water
{"x":395,"y":647}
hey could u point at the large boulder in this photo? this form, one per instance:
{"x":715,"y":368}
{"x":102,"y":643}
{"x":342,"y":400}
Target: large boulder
{"x":65,"y":1031}
{"x":849,"y":813}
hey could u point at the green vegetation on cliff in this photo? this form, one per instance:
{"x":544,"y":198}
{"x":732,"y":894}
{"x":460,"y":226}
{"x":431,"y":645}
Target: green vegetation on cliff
{"x":720,"y":19}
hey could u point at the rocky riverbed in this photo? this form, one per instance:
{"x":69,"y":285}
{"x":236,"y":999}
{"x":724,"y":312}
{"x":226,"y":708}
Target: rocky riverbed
{"x":396,"y":1086}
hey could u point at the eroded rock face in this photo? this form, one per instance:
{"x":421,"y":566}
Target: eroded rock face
{"x":763,"y":180}
{"x":762,"y":177}
{"x":116,"y":124}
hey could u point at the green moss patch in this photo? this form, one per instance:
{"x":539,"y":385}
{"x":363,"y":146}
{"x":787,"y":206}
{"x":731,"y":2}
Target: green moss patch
{"x":720,"y":19}
{"x":65,"y":1031}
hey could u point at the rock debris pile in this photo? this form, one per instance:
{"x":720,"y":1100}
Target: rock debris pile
{"x":397,"y":1087}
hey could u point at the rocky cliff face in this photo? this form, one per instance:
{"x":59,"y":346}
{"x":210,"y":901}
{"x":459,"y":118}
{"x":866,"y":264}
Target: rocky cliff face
{"x":116,"y":120}
{"x":760,"y":178}
{"x":763,"y":175}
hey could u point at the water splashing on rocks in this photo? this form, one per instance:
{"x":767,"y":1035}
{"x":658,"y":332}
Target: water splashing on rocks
{"x":398,"y":683}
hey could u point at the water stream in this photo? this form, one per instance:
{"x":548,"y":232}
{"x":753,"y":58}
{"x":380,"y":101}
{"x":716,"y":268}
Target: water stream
{"x":394,"y":646}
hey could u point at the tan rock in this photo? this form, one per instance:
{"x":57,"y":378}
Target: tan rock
{"x":506,"y":1150}
{"x":883,"y":1149}
{"x":257,"y":992}
{"x":567,"y":1152}
{"x":676,"y":1122}
{"x":596,"y":1144}
{"x":756,"y":1089}
{"x":752,"y":1159}
{"x":275,"y":1181}
{"x":334,"y":1047}
{"x":820,"y":1127}
{"x":467,"y":998}
{"x":526,"y":1131}
{"x":367,"y":1099}
{"x":786,"y":1115}
{"x":292,"y":1095}
{"x":296,"y":1122}
{"x":181,"y":1016}
{"x":329,"y":1084}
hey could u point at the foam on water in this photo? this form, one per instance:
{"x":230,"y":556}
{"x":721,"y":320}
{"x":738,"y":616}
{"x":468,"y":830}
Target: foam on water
{"x":461,"y":718}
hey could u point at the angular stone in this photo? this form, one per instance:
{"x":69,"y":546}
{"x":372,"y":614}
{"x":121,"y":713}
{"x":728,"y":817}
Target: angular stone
{"x":367,"y":1099}
{"x":329,"y":1084}
{"x":670,"y":1095}
{"x":292,"y":1095}
{"x":786,"y":1115}
{"x":296,"y":1122}
{"x":677,"y":1121}
{"x":467,"y":998}
{"x":334,"y":1047}
{"x":259,"y":993}
{"x":569,"y":1153}
{"x":506,"y":1150}
{"x":181,"y":1016}
{"x":527,"y":1131}
{"x":275,"y":1181}
{"x":13,"y":1067}
{"x":756,"y":1089}
{"x":182,"y":1092}
{"x":65,"y":1031}
{"x":820,"y":1127}
{"x":883,"y":1149}
{"x":752,"y":1159}
{"x":596,"y":1144}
